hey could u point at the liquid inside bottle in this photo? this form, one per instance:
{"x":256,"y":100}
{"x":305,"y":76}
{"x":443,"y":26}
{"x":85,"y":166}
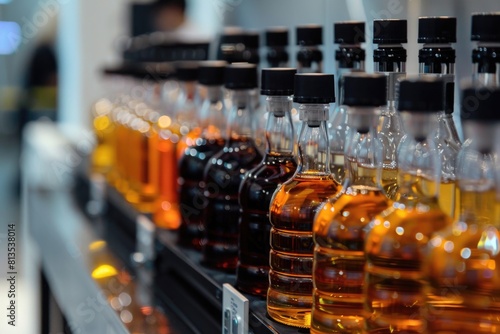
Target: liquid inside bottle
{"x":396,"y":283}
{"x":260,"y":183}
{"x":225,"y":171}
{"x":294,"y":206}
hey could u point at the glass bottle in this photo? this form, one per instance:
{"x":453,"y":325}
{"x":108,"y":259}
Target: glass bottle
{"x":296,"y":202}
{"x":395,"y":282}
{"x":309,"y":56}
{"x":349,"y":57}
{"x":225,"y":170}
{"x":340,"y":225}
{"x":390,"y":59}
{"x":277,"y":43}
{"x":196,"y":156}
{"x":462,"y":259}
{"x":259,"y":184}
{"x":485,"y":59}
{"x":437,"y":58}
{"x":237,"y":46}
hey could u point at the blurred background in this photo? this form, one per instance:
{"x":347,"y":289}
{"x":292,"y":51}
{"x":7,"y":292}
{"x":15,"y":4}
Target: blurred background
{"x":52,"y":52}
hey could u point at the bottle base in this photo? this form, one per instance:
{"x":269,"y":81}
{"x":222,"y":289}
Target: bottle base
{"x":297,"y":317}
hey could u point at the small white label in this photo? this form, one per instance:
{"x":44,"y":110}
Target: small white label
{"x":145,"y":238}
{"x":234,"y":311}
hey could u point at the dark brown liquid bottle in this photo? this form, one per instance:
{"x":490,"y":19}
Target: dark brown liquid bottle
{"x":296,"y":202}
{"x":195,"y":157}
{"x":225,"y":171}
{"x":260,"y":183}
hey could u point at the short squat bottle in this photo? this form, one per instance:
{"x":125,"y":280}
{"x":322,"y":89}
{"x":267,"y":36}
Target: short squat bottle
{"x":437,"y":59}
{"x":258,"y":186}
{"x":309,"y":56}
{"x":390,"y":59}
{"x":462,"y":260}
{"x":396,"y":284}
{"x":296,"y":202}
{"x":195,"y":157}
{"x":340,"y":225}
{"x":225,"y":170}
{"x":485,"y":56}
{"x":349,"y":58}
{"x":277,"y":42}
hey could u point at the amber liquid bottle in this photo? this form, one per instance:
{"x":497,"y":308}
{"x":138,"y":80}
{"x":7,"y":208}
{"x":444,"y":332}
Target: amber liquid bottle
{"x":390,"y":59}
{"x":349,"y":57}
{"x":195,"y":157}
{"x":225,"y":171}
{"x":396,"y":283}
{"x":296,"y":202}
{"x":260,"y":183}
{"x":462,"y":261}
{"x":437,"y":58}
{"x":340,"y":226}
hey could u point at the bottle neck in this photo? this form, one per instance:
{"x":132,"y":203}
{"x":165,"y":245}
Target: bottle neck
{"x":185,"y":109}
{"x":212,"y":113}
{"x":279,"y":130}
{"x":446,"y":131}
{"x":313,"y":145}
{"x":241,"y":124}
{"x":486,"y":63}
{"x":419,"y":163}
{"x":309,"y":59}
{"x":364,"y":152}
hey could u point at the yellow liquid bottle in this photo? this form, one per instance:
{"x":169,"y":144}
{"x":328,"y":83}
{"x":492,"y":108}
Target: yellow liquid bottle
{"x":296,"y":202}
{"x":396,"y":284}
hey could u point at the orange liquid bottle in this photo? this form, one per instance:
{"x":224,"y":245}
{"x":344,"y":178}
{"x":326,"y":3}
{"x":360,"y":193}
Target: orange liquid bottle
{"x":225,"y":170}
{"x":396,"y":283}
{"x":296,"y":202}
{"x":259,"y":185}
{"x":201,"y":147}
{"x":340,"y":226}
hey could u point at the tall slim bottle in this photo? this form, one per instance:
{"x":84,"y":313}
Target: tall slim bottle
{"x":226,"y":169}
{"x":390,"y":59}
{"x":259,"y":184}
{"x":296,"y":202}
{"x":485,"y":59}
{"x":396,"y":283}
{"x":462,"y":260}
{"x":195,"y":157}
{"x":437,"y":58}
{"x":340,"y":225}
{"x":349,"y":57}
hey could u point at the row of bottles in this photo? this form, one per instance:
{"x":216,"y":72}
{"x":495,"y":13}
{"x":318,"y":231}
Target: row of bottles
{"x":334,"y":226}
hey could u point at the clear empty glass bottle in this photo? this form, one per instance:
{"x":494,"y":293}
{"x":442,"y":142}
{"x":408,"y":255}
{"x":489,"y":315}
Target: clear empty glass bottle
{"x":259,"y":184}
{"x":485,"y":57}
{"x":340,"y":225}
{"x":349,"y":57}
{"x":309,"y":56}
{"x":390,"y":59}
{"x":396,"y":283}
{"x":296,"y":202}
{"x":213,"y":120}
{"x":437,"y":58}
{"x":226,"y":169}
{"x":462,"y":260}
{"x":277,"y":43}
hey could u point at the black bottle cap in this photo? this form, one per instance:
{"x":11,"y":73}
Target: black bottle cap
{"x":186,"y":70}
{"x":276,"y":36}
{"x":314,"y":88}
{"x":232,"y":35}
{"x":277,"y":81}
{"x":361,"y":89}
{"x":485,"y":27}
{"x":421,"y":94}
{"x":251,"y":39}
{"x":240,"y":76}
{"x":352,"y":32}
{"x":309,"y":35}
{"x":480,"y":104}
{"x":391,"y":31}
{"x":438,"y":29}
{"x":211,"y":73}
